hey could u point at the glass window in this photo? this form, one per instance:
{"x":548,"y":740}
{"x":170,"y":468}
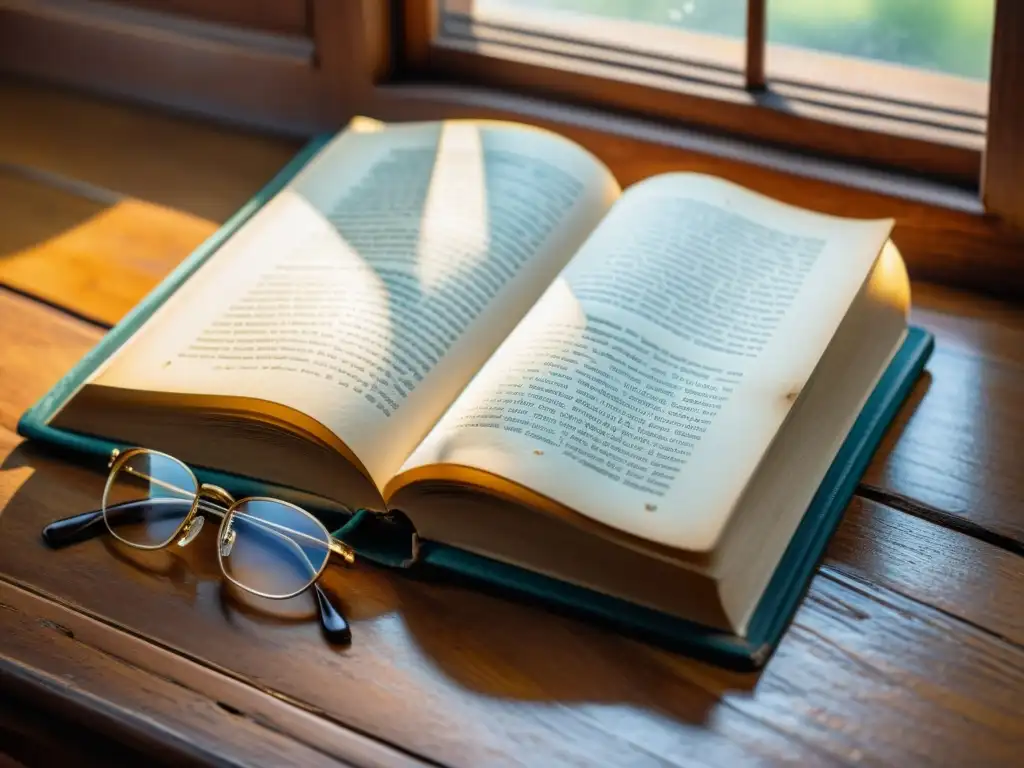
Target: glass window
{"x":702,"y":31}
{"x":839,"y":73}
{"x":719,"y":17}
{"x":953,"y":37}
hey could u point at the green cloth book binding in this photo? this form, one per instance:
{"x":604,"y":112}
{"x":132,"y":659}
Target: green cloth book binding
{"x":662,"y":427}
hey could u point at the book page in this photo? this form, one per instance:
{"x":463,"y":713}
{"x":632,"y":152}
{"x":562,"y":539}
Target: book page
{"x":647,"y":384}
{"x":368,"y":292}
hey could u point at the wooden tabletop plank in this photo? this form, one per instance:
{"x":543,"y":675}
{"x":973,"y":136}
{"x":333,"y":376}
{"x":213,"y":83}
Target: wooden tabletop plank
{"x":38,"y":345}
{"x":971,"y":579}
{"x":955,"y":446}
{"x":290,"y":17}
{"x":464,"y":678}
{"x":135,"y":692}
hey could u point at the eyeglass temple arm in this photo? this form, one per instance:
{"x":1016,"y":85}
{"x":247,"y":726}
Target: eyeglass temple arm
{"x":74,"y":529}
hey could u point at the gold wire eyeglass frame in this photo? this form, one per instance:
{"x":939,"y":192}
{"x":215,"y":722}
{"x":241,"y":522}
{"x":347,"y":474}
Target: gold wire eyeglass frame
{"x":214,"y":500}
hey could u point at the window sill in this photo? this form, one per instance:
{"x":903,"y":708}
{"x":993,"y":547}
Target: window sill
{"x":854,"y":109}
{"x":941,"y":229}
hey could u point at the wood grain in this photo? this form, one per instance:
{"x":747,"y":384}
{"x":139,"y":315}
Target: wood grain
{"x":869,"y":672}
{"x":463,"y":678}
{"x":419,"y":28}
{"x":120,"y":681}
{"x":33,"y":212}
{"x":954,"y":449}
{"x":753,"y":70}
{"x":979,"y":583}
{"x":38,"y":345}
{"x":353,"y":44}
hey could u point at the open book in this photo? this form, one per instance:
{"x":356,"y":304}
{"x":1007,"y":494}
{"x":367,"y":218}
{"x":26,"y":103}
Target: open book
{"x":469,"y":322}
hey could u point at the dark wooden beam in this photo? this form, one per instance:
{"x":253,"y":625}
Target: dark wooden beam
{"x":756,"y":33}
{"x":1003,"y":167}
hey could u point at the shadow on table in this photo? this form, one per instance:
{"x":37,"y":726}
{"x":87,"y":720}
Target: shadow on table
{"x":37,"y":209}
{"x":499,"y":648}
{"x":506,"y":652}
{"x":904,"y":419}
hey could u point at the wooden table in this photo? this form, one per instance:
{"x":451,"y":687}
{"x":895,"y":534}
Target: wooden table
{"x":907,"y":650}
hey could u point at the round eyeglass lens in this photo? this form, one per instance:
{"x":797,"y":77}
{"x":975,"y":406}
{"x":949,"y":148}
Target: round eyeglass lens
{"x":271,"y":548}
{"x":148,"y":498}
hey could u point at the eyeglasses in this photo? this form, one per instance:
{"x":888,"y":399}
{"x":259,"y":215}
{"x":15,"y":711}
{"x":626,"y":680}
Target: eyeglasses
{"x":265,"y":546}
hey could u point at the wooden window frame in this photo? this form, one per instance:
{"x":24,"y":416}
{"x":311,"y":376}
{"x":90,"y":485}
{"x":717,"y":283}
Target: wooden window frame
{"x":1002,"y":190}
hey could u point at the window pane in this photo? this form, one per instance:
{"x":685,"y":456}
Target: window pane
{"x":720,"y":17}
{"x":949,"y":36}
{"x":913,"y":73}
{"x":672,"y":31}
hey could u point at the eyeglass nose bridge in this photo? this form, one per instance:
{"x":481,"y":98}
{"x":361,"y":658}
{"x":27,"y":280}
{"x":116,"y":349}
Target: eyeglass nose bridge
{"x":217,"y":493}
{"x":193,"y":524}
{"x":227,"y":533}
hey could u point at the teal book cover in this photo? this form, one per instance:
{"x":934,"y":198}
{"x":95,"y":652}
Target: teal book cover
{"x":388,"y":542}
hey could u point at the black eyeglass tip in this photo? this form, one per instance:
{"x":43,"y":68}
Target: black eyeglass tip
{"x":336,"y":628}
{"x":71,"y":530}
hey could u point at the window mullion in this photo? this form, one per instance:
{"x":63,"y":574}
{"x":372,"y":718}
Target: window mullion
{"x":754,"y":71}
{"x":1003,"y":166}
